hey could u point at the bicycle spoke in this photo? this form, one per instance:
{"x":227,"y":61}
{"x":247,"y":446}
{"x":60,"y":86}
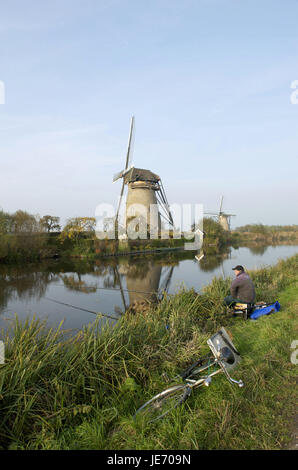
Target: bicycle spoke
{"x":164,"y":402}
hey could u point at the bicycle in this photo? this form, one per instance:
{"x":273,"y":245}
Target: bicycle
{"x":224,"y":357}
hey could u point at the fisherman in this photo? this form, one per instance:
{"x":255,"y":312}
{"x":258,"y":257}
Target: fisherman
{"x":242,"y":288}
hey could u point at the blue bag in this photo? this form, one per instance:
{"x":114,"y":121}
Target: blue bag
{"x":259,"y":312}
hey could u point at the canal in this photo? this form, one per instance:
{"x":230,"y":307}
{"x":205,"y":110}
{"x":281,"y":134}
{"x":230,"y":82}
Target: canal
{"x":112,"y":285}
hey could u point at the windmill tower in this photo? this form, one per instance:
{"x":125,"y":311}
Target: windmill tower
{"x":223,"y":218}
{"x":145,"y":189}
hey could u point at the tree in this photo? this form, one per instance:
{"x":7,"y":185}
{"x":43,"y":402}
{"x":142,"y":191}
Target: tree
{"x":24,"y":223}
{"x":213,"y":232}
{"x":5,"y":222}
{"x":212,"y":228}
{"x":77,"y":227}
{"x":50,"y":223}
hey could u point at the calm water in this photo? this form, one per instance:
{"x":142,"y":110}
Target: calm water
{"x":112,"y":285}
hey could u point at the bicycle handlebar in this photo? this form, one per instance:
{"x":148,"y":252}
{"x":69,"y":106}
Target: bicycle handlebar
{"x":232,"y":381}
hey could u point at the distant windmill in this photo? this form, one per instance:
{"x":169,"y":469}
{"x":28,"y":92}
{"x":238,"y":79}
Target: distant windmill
{"x":144,"y":188}
{"x":223,"y":218}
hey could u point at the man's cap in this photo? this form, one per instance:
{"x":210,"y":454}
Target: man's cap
{"x":238,"y":268}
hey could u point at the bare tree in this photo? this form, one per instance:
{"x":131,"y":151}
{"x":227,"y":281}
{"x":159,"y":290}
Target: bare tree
{"x":50,"y":223}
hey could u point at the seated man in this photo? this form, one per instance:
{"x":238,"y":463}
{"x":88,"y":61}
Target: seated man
{"x":242,"y":288}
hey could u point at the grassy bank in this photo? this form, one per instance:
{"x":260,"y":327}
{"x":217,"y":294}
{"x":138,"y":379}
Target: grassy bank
{"x":270,"y":234}
{"x":81,"y":392}
{"x":18,"y":249}
{"x":29,"y":238}
{"x":74,"y":242}
{"x":22,"y":248}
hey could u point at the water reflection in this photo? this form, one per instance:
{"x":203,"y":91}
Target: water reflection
{"x":23,"y":283}
{"x":72,"y":282}
{"x":258,"y":249}
{"x":140,"y":281}
{"x":211,"y":262}
{"x":116,"y":284}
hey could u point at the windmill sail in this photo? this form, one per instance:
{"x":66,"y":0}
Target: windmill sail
{"x":121,"y":174}
{"x":128,"y":159}
{"x":130,"y":142}
{"x":220,"y":206}
{"x":117,"y":176}
{"x":166,"y":204}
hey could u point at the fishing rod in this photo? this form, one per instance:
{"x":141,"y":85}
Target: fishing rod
{"x":83,"y":309}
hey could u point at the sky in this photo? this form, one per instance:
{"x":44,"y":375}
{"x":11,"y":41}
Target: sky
{"x":208,"y":81}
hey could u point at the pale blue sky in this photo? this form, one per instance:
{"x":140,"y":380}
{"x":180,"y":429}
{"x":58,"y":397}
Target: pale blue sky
{"x":207,"y":80}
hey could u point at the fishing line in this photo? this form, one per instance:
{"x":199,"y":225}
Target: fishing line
{"x":111,"y":288}
{"x":83,"y":309}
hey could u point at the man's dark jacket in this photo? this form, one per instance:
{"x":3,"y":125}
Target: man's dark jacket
{"x":242,"y":288}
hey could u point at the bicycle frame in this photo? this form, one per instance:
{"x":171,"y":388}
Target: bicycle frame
{"x":207,"y":379}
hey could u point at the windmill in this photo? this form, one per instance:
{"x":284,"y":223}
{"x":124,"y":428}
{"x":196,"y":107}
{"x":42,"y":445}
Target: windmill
{"x":223,"y":218}
{"x":145,"y":189}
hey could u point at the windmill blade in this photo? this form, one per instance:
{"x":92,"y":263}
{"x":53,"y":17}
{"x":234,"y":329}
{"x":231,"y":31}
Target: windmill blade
{"x":121,"y":288}
{"x":168,"y":215}
{"x":117,"y":176}
{"x":165,"y":282}
{"x":128,"y":159}
{"x":165,"y":218}
{"x":130,"y":143}
{"x":220,"y":206}
{"x":164,"y":197}
{"x":122,"y":173}
{"x":120,"y":200}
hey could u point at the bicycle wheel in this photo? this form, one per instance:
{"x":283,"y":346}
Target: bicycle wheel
{"x":165,"y":401}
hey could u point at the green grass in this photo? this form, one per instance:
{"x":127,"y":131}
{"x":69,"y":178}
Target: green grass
{"x":81,"y":392}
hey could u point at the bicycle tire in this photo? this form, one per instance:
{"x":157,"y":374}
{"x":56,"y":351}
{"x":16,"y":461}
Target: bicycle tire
{"x":164,"y":402}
